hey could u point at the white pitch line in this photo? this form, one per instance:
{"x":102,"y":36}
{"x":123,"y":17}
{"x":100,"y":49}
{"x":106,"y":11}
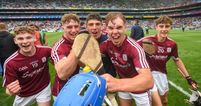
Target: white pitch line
{"x":179,"y":88}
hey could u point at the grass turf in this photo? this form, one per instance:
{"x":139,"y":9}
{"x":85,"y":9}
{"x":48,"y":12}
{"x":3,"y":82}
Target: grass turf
{"x":189,"y":43}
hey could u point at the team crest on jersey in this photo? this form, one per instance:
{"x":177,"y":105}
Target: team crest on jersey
{"x":44,"y":59}
{"x":124,"y":56}
{"x":169,"y":49}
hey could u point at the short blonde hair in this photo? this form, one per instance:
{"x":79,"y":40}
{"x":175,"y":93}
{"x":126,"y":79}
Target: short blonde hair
{"x":67,"y":17}
{"x":163,"y":20}
{"x":113,"y":15}
{"x":23,"y":29}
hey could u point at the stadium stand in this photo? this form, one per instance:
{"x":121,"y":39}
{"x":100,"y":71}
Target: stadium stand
{"x":129,"y":4}
{"x":47,"y":13}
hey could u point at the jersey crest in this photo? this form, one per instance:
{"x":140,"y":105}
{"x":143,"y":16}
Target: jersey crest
{"x":169,"y":49}
{"x":124,"y":56}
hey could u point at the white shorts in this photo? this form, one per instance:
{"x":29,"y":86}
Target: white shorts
{"x":41,"y":97}
{"x":160,"y":79}
{"x":153,"y":89}
{"x":141,"y":99}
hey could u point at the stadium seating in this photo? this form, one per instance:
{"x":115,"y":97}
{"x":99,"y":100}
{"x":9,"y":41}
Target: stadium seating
{"x":47,"y":13}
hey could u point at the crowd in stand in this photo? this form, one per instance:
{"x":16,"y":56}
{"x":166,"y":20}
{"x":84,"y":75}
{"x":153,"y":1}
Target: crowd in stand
{"x":188,"y":22}
{"x":52,"y":26}
{"x":134,"y":4}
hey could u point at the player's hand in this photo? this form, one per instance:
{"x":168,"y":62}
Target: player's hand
{"x":14,"y":87}
{"x":111,"y":82}
{"x":192,"y":82}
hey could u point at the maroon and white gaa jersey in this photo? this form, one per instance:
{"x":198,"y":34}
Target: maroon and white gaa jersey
{"x":164,"y":50}
{"x":127,"y":58}
{"x":60,"y":50}
{"x":31,"y":71}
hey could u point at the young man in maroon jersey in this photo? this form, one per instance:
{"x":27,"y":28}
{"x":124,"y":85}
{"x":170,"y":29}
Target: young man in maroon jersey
{"x":129,"y":61}
{"x":93,"y":26}
{"x":65,"y":61}
{"x":27,"y":71}
{"x":165,"y":49}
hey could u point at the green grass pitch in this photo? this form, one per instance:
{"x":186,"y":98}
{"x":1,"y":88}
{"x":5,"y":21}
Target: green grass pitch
{"x":189,"y":43}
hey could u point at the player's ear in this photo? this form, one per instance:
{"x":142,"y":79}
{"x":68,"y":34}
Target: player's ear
{"x":62,"y":26}
{"x":156,"y":27}
{"x":15,"y":41}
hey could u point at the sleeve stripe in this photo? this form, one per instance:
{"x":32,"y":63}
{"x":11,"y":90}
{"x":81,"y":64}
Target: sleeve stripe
{"x":43,"y":46}
{"x":143,"y":60}
{"x":140,"y":50}
{"x":54,"y":53}
{"x":7,"y":60}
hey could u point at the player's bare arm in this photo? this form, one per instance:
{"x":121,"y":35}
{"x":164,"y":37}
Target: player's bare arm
{"x":13,"y":88}
{"x":138,"y":83}
{"x":112,"y":83}
{"x":46,"y":43}
{"x":66,"y":66}
{"x":182,"y":69}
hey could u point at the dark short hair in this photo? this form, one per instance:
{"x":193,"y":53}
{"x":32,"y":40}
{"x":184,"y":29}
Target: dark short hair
{"x":3,"y":26}
{"x":95,"y":16}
